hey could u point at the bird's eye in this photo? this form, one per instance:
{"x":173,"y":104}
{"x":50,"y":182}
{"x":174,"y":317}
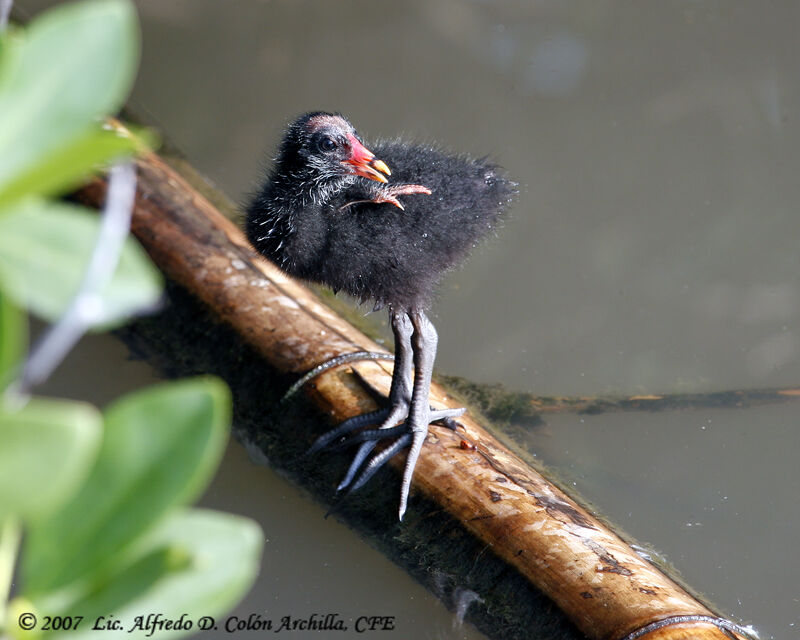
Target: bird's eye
{"x":327,"y":144}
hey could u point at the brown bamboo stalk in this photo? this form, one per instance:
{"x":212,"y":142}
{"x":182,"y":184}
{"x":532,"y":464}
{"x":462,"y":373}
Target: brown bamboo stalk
{"x":597,"y":579}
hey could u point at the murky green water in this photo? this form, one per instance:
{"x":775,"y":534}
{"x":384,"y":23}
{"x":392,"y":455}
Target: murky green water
{"x":654,"y":247}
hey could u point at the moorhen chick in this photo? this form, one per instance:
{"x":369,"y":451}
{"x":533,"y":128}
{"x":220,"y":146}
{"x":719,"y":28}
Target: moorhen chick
{"x":328,"y":214}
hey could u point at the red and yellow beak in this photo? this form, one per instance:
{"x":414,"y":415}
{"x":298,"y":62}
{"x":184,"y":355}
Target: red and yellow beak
{"x":364,"y":163}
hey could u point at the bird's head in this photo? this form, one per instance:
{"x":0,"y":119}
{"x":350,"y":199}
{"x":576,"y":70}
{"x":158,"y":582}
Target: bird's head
{"x":325,"y":147}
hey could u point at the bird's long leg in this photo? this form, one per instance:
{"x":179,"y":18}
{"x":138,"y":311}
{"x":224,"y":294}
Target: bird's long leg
{"x":423,"y":344}
{"x":399,"y":392}
{"x":398,"y":402}
{"x":420,"y":414}
{"x":415,"y":352}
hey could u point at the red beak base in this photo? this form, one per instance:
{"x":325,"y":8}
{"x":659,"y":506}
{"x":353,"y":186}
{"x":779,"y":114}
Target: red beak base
{"x":363,"y":162}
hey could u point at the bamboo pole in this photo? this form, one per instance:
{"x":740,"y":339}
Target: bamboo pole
{"x":608,"y":590}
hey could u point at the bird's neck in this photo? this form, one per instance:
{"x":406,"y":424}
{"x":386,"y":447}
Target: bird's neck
{"x":296,"y":191}
{"x":289,"y":219}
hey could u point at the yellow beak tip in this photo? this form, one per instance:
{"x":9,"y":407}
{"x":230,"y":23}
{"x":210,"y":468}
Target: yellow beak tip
{"x":380,"y":165}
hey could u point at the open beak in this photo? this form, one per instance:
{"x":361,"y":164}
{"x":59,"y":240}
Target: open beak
{"x":364,"y":163}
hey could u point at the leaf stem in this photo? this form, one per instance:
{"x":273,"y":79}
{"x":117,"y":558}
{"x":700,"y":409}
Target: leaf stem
{"x":5,"y":10}
{"x":86,"y":307}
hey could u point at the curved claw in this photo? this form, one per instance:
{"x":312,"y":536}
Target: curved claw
{"x":418,"y":439}
{"x":373,"y":466}
{"x":445,"y":416}
{"x":363,"y":451}
{"x":378,"y":460}
{"x":369,"y":439}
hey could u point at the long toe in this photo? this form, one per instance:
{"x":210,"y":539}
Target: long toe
{"x":443,"y":415}
{"x":380,"y":459}
{"x":363,"y":451}
{"x":370,"y":435}
{"x":349,"y":425}
{"x":406,"y":435}
{"x":417,"y":440}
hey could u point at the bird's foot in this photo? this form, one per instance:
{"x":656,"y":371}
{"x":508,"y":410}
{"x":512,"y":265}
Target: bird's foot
{"x":339,"y":433}
{"x":404,"y":434}
{"x":390,"y":195}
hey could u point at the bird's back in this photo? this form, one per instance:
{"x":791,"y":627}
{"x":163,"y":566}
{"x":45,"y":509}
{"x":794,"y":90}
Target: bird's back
{"x":377,"y":251}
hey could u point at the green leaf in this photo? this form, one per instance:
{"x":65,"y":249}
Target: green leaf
{"x":13,"y":339}
{"x":46,"y":450}
{"x":45,"y":249}
{"x":74,"y":64}
{"x":67,"y":167}
{"x":196,"y":563}
{"x":160,"y":449}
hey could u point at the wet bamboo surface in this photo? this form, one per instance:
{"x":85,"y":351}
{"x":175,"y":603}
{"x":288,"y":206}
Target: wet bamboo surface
{"x":601,"y":583}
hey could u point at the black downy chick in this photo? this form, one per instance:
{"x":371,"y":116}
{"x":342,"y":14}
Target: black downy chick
{"x":328,"y":214}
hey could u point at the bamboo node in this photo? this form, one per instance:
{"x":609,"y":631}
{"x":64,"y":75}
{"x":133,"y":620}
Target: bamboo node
{"x":730,"y":629}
